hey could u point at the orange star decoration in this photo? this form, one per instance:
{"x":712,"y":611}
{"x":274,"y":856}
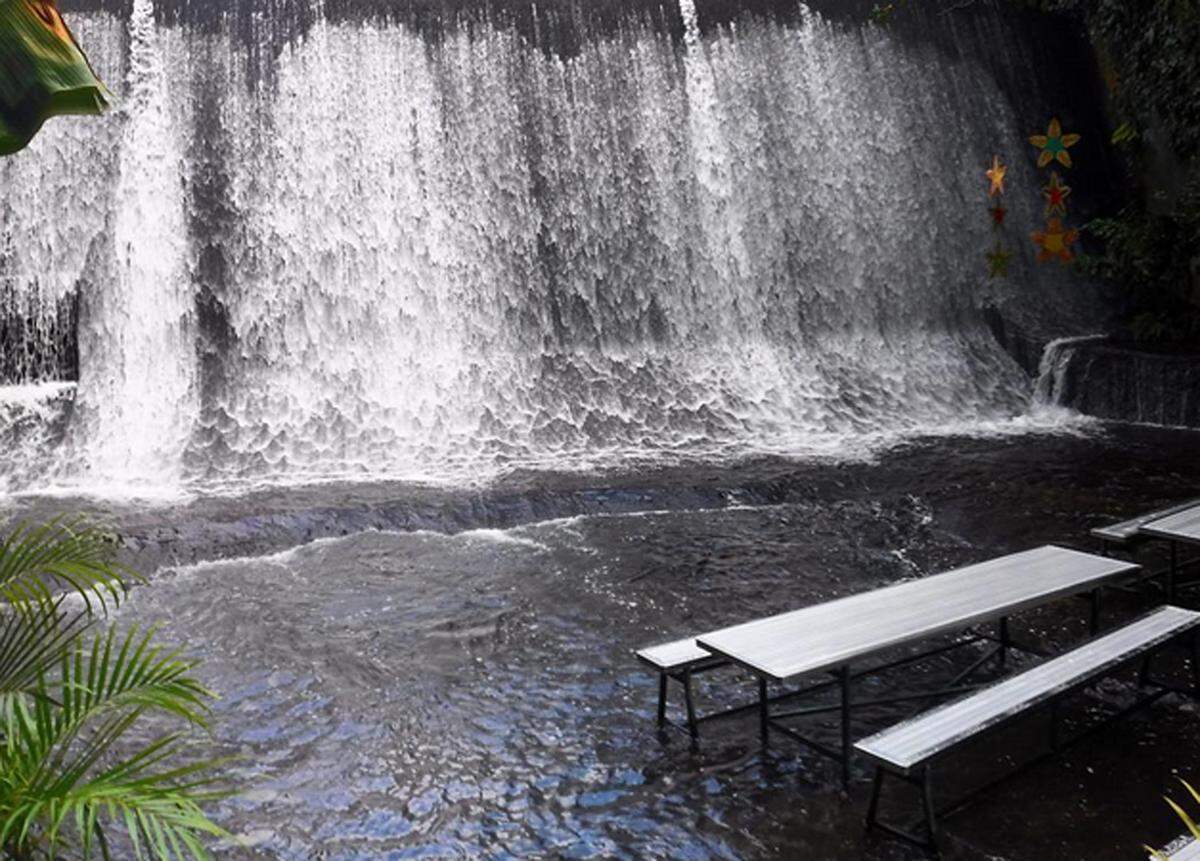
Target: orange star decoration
{"x":1056,"y":195}
{"x":1055,"y":242}
{"x":1054,"y":144}
{"x":998,"y":212}
{"x":996,"y":176}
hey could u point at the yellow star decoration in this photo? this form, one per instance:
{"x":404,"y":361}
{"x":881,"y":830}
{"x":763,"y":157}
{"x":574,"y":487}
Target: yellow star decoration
{"x":1056,"y":195}
{"x":1053,"y":145}
{"x":996,"y":176}
{"x":998,"y":259}
{"x":1054,"y":242}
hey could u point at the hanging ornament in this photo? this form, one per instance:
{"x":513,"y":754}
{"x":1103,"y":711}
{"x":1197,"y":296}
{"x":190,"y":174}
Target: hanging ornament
{"x":998,"y":259}
{"x":1053,"y":145}
{"x":1054,"y":243}
{"x":998,"y":212}
{"x":1056,"y":195}
{"x":996,"y":176}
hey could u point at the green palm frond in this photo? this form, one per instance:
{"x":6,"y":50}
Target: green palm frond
{"x":70,"y":774}
{"x":129,"y":673}
{"x":70,"y":553}
{"x":60,"y":794}
{"x":34,"y":640}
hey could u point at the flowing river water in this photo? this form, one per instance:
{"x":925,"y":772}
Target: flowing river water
{"x":412,"y":672}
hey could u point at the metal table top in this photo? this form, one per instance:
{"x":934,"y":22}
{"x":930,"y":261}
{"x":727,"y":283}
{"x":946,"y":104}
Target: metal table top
{"x":1180,"y":526}
{"x":839,"y":632}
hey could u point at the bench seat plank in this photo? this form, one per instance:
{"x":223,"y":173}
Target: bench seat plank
{"x":910,"y":744}
{"x":677,"y":655}
{"x":1129,"y":530}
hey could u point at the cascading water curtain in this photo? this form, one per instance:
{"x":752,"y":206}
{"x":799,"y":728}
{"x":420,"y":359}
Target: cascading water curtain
{"x":393,"y":257}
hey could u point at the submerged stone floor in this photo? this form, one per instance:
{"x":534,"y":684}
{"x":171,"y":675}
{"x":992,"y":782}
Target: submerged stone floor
{"x":462,"y":683}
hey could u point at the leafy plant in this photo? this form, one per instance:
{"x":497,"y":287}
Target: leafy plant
{"x":1192,"y":827}
{"x":71,"y":692}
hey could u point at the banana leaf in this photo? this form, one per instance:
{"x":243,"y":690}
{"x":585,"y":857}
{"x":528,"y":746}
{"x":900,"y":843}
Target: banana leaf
{"x":43,"y":72}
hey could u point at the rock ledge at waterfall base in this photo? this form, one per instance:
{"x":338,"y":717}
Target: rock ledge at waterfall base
{"x":1112,"y":381}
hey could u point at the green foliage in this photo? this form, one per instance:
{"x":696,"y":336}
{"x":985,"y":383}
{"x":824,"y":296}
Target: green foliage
{"x":1148,"y":51}
{"x":1151,"y":46}
{"x":881,"y":13}
{"x":34,"y":560}
{"x":1151,"y":256}
{"x":70,"y":694}
{"x":1187,"y":820}
{"x":1124,"y":134}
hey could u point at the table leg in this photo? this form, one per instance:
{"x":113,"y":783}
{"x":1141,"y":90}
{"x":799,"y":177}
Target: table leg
{"x":763,"y":710}
{"x":693,"y":727}
{"x":844,"y":674}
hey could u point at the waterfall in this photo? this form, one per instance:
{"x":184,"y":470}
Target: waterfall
{"x":1048,"y":388}
{"x":400,"y":257}
{"x":136,"y":394}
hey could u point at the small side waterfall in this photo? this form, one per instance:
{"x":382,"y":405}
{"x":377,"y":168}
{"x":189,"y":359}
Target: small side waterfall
{"x":472,"y":254}
{"x":1049,"y":388}
{"x":1096,"y":377}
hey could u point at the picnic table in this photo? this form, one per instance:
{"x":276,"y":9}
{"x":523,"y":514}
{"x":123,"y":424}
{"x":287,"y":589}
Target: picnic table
{"x":838,"y":635}
{"x":1181,"y":527}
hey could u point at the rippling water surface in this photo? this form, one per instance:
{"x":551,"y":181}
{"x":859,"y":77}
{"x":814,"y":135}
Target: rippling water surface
{"x":474,"y":693}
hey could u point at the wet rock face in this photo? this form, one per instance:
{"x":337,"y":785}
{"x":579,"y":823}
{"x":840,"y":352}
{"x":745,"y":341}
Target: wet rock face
{"x":1112,"y":382}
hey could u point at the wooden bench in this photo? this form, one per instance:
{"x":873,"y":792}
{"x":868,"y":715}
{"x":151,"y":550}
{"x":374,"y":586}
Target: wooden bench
{"x":679,"y":660}
{"x":909,"y":749}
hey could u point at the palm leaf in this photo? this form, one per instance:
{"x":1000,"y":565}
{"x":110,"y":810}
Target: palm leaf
{"x":37,"y":561}
{"x":33,"y":641}
{"x":127,"y":672}
{"x":68,"y":771}
{"x":159,"y":808}
{"x":66,"y":775}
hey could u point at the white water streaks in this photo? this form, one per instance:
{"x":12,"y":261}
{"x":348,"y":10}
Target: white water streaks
{"x":470,"y":255}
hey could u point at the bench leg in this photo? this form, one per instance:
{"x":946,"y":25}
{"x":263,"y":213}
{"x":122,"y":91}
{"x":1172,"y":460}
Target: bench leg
{"x":924,"y":785}
{"x":1144,"y":671}
{"x":693,"y":727}
{"x":1095,"y":617}
{"x":1005,"y":642}
{"x":662,"y":700}
{"x":927,"y":800}
{"x":873,"y":807}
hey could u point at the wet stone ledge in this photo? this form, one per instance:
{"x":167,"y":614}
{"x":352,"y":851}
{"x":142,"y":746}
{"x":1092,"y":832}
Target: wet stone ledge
{"x":1122,"y":384}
